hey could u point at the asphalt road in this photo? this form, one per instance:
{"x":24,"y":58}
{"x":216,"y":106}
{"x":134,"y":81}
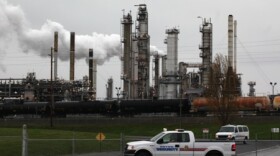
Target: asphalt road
{"x":273,"y":151}
{"x":259,"y":148}
{"x":264,"y":148}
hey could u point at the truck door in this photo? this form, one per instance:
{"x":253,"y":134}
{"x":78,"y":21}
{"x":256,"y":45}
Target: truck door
{"x":240,"y":135}
{"x":168,"y":145}
{"x":186,"y":146}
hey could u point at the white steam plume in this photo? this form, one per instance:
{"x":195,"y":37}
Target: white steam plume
{"x":104,"y":46}
{"x":15,"y":33}
{"x":154,"y":50}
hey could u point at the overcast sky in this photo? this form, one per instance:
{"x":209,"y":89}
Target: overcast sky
{"x":26,"y":35}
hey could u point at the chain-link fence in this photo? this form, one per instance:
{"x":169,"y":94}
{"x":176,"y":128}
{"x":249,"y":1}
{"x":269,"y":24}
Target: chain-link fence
{"x":25,"y":146}
{"x":69,"y":147}
{"x":12,"y":143}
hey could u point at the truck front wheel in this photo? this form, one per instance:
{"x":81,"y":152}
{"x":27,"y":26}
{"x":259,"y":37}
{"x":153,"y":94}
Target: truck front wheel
{"x":143,"y":153}
{"x":214,"y":153}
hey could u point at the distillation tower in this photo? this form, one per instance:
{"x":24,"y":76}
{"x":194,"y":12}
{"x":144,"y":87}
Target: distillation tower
{"x":169,"y":82}
{"x":206,"y":51}
{"x":143,"y":37}
{"x":136,"y":55}
{"x":126,"y":75}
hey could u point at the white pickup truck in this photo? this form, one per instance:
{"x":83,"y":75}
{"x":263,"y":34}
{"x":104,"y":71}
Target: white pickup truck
{"x":179,"y":143}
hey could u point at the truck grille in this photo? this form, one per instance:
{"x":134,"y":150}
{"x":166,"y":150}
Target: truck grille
{"x":223,"y":137}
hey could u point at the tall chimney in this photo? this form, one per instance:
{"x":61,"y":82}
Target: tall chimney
{"x":110,"y":89}
{"x":92,"y":75}
{"x":55,"y":54}
{"x":72,"y":56}
{"x":156,"y":75}
{"x":230,"y":40}
{"x":90,"y":64}
{"x":235,"y":37}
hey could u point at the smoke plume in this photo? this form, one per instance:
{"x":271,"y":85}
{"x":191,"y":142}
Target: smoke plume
{"x":15,"y":33}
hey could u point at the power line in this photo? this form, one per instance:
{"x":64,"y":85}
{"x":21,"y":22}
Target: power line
{"x":262,"y":73}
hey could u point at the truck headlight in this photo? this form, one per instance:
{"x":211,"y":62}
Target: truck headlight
{"x":130,"y":147}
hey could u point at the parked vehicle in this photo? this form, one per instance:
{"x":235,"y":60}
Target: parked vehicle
{"x":179,"y":142}
{"x":233,"y":132}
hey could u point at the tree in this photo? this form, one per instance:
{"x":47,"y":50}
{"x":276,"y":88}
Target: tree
{"x":222,"y":90}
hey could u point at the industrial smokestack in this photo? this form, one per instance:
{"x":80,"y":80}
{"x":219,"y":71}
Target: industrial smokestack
{"x":72,"y":56}
{"x":55,"y":54}
{"x":156,"y":75}
{"x":92,"y":75}
{"x":230,"y":40}
{"x":109,"y":89}
{"x":235,"y":37}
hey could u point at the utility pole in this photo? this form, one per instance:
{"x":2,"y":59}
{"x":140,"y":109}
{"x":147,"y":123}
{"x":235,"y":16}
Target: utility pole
{"x":181,"y":96}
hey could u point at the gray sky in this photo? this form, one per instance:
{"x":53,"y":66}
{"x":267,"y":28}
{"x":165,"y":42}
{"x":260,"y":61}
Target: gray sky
{"x":258,"y":43}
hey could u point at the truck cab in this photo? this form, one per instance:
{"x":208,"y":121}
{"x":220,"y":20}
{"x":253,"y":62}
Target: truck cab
{"x":178,"y":143}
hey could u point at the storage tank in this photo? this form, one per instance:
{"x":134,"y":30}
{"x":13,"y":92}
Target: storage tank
{"x":253,"y":103}
{"x":200,"y":104}
{"x":243,"y":103}
{"x":276,"y":102}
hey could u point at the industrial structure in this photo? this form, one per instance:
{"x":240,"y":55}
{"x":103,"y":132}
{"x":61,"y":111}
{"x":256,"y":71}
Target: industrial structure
{"x":55,"y":54}
{"x":251,"y":88}
{"x":170,"y":78}
{"x":109,"y":89}
{"x":206,"y":51}
{"x":234,"y":84}
{"x":72,"y":56}
{"x":92,"y":75}
{"x":173,"y":81}
{"x":136,"y":56}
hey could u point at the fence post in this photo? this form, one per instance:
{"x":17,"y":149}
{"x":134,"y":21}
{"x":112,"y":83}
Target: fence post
{"x":256,"y":137}
{"x":73,"y":144}
{"x":24,"y":141}
{"x":121,"y":143}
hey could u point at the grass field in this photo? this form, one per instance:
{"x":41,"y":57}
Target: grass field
{"x":81,"y":132}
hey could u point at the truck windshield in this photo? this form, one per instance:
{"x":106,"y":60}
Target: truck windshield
{"x":226,"y":129}
{"x":153,"y":139}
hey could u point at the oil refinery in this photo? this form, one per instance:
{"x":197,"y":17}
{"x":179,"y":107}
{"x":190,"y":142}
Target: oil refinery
{"x":151,"y":83}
